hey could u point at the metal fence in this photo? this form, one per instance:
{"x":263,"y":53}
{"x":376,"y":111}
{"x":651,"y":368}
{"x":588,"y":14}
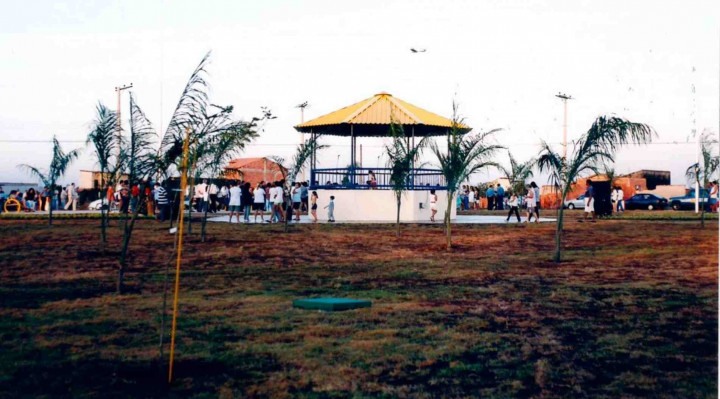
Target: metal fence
{"x":360,"y":178}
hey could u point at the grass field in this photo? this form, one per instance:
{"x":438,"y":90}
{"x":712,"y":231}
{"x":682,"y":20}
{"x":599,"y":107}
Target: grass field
{"x":632,"y":312}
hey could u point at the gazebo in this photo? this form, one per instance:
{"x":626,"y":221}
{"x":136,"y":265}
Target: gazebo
{"x":355,"y":198}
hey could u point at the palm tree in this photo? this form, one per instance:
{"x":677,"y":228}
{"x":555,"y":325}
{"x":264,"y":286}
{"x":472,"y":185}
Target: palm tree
{"x":104,"y":139}
{"x":466,"y":154}
{"x":303,"y":153}
{"x":596,"y":146}
{"x":59,"y":163}
{"x":518,"y":172}
{"x":214,"y":138}
{"x":142,"y":162}
{"x":702,"y":173}
{"x":401,"y":161}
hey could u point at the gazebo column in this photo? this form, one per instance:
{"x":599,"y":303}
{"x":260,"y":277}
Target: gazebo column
{"x":412,"y":181}
{"x":313,"y":159}
{"x":353,"y":141}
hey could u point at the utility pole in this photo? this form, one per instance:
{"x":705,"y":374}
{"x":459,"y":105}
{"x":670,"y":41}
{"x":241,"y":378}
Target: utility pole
{"x":564,"y":98}
{"x":119,"y":90}
{"x":698,"y":147}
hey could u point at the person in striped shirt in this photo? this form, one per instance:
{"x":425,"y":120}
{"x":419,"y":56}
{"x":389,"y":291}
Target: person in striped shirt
{"x":161,"y":199}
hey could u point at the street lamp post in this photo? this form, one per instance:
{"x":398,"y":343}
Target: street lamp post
{"x":564,"y":98}
{"x":302,"y":135}
{"x":119,"y":90}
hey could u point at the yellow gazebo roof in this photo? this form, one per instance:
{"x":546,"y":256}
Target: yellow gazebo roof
{"x":372,"y":117}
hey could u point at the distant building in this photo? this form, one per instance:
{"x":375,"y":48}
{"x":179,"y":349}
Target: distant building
{"x":91,"y":179}
{"x":653,"y":178}
{"x":254,"y":170}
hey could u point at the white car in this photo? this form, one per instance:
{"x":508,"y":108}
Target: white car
{"x":95,"y":205}
{"x":577,"y":203}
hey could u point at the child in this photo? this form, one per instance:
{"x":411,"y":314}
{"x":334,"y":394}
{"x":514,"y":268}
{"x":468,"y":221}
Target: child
{"x":331,"y":208}
{"x":513,"y":205}
{"x":313,"y":208}
{"x":433,"y":205}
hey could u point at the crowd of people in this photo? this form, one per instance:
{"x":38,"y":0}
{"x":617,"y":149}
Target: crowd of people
{"x":32,"y":200}
{"x":241,"y":198}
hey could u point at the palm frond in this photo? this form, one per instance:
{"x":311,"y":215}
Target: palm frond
{"x":190,"y":109}
{"x":140,"y":146}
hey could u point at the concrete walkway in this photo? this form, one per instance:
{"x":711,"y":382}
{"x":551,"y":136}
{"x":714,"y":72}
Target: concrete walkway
{"x":461,"y":219}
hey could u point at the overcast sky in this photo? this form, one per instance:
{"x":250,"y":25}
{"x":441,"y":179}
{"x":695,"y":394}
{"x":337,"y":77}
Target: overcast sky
{"x":502,"y":61}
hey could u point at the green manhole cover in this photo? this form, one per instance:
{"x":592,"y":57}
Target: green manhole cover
{"x":330,"y":304}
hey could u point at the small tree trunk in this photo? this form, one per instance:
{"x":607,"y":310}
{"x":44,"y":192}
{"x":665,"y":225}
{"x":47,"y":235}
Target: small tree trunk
{"x":51,"y":206}
{"x":127,"y":234}
{"x":448,"y":212}
{"x":204,"y":223}
{"x":397,"y":223}
{"x":558,"y":236}
{"x":285,"y":215}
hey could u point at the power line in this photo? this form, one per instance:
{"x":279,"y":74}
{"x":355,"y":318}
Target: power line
{"x":333,"y":145}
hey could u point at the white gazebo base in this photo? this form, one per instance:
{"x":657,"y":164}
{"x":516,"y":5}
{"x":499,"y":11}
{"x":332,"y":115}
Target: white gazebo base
{"x":366,"y":205}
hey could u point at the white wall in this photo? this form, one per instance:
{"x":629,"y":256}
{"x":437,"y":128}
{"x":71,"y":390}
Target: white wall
{"x":380,"y":205}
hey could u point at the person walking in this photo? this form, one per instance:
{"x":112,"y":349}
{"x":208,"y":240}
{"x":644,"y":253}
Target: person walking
{"x":513,"y":207}
{"x":63,"y":197}
{"x":213,"y":197}
{"x":201,"y":196}
{"x":304,"y":196}
{"x":620,"y":199}
{"x":433,"y":205}
{"x":490,"y":194}
{"x":149,"y":199}
{"x":278,"y":194}
{"x":110,"y":196}
{"x":499,"y":197}
{"x":235,"y":201}
{"x":134,"y":197}
{"x":72,"y":195}
{"x":589,"y":200}
{"x":246,"y":201}
{"x":313,"y":206}
{"x":223,"y":197}
{"x":161,"y":200}
{"x":124,"y":200}
{"x":530,"y":203}
{"x":536,"y":193}
{"x":331,"y":209}
{"x":297,"y":200}
{"x":259,"y":202}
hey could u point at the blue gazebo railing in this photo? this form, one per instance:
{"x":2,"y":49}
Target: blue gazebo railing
{"x":359,"y":179}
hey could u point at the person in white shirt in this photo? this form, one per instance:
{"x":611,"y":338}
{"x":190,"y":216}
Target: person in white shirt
{"x":235,"y":203}
{"x":277,"y":200}
{"x":223,"y":198}
{"x":259,"y":202}
{"x":530,"y":202}
{"x":201,"y":195}
{"x":512,"y":203}
{"x":213,"y":196}
{"x":72,"y":197}
{"x":433,"y":205}
{"x":471,"y":199}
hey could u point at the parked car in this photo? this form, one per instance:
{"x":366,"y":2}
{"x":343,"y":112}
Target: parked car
{"x":687,"y":201}
{"x":577,"y":203}
{"x":646,"y":201}
{"x":95,"y":205}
